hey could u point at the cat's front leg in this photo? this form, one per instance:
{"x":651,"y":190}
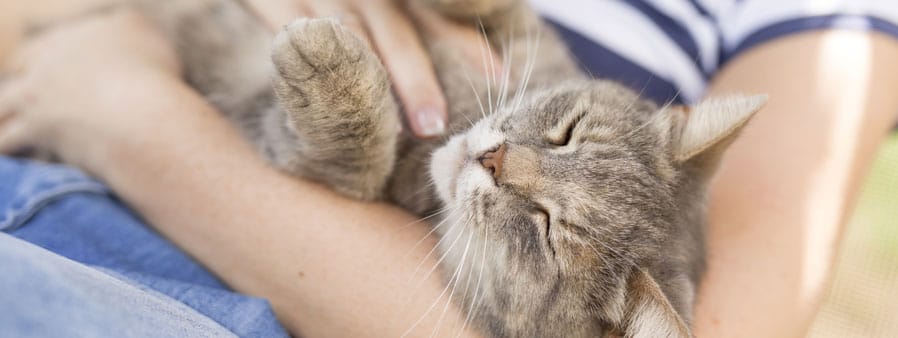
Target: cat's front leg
{"x":340,"y":121}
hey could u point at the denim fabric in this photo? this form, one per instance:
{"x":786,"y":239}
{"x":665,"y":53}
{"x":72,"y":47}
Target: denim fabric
{"x":45,"y":295}
{"x":63,"y":211}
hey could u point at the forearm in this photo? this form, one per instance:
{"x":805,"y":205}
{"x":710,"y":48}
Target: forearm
{"x":330,"y":266}
{"x":787,"y":185}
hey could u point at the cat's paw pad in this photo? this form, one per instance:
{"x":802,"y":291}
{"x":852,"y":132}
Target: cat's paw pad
{"x":310,"y":47}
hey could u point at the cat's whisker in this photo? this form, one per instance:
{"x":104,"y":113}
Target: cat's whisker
{"x":532,"y":54}
{"x":506,"y":76}
{"x":443,"y":257}
{"x":486,"y":56}
{"x":455,"y":276}
{"x":422,"y":219}
{"x":474,"y":307}
{"x":471,"y":308}
{"x":528,"y":69}
{"x":470,"y":276}
{"x":639,"y":95}
{"x":432,"y":250}
{"x":429,"y":233}
{"x":459,"y":112}
{"x":507,"y":69}
{"x":476,"y":94}
{"x":672,"y":100}
{"x":446,"y":253}
{"x":522,"y":86}
{"x":429,"y":309}
{"x":507,"y":59}
{"x":443,"y":293}
{"x":655,"y":117}
{"x":642,"y":126}
{"x":425,"y":188}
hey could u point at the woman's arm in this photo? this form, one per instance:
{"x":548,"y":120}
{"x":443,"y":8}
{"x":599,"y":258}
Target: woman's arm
{"x":789,"y":182}
{"x":331,"y":267}
{"x":105,"y":95}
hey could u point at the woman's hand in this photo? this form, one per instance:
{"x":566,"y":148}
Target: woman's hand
{"x":388,"y":26}
{"x":57,"y":94}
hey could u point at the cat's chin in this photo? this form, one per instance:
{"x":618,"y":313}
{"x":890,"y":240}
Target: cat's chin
{"x":446,"y":165}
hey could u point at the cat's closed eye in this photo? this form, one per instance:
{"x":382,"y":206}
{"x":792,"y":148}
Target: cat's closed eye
{"x":564,"y":138}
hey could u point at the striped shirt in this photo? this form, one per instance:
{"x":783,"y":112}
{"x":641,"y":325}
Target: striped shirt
{"x":669,"y":49}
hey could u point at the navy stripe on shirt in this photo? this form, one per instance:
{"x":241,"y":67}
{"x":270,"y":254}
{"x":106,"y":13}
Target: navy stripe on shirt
{"x":701,"y":9}
{"x":603,"y":63}
{"x":810,"y":23}
{"x":674,"y":30}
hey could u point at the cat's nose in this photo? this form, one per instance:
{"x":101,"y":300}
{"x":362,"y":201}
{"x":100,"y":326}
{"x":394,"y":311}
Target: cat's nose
{"x":492,"y":160}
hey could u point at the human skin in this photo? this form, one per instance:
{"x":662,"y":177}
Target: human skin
{"x":786,"y":187}
{"x":336,"y":267}
{"x":382,"y":23}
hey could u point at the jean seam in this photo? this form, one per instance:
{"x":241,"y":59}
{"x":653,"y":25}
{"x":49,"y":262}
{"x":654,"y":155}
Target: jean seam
{"x":162,"y":298}
{"x":16,"y":217}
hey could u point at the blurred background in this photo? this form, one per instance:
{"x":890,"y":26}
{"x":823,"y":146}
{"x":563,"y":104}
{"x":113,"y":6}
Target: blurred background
{"x":863,"y":298}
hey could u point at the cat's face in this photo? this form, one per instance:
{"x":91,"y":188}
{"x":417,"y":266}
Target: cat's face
{"x":565,"y":193}
{"x":553,"y":204}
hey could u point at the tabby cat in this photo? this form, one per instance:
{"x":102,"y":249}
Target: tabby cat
{"x":585,"y":202}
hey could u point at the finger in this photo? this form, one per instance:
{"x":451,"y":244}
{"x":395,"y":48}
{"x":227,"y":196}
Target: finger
{"x":469,"y":41}
{"x":409,"y":67}
{"x":347,"y":17}
{"x":277,"y":13}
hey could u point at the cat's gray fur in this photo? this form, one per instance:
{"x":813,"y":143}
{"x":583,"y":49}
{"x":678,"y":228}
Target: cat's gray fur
{"x":593,"y":223}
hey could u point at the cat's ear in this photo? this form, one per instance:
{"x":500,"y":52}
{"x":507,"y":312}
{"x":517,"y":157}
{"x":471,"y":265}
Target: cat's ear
{"x":711,"y":125}
{"x":648,"y":311}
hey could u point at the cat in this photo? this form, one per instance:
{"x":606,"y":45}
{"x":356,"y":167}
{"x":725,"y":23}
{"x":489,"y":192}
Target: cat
{"x":584,"y":203}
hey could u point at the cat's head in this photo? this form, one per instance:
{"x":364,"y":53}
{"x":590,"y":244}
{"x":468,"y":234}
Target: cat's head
{"x":556,"y":207}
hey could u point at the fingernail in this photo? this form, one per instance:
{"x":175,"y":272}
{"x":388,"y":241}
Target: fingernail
{"x":430,"y":122}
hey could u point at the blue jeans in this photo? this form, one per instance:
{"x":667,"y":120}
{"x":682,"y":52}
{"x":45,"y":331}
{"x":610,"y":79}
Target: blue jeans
{"x":75,"y":262}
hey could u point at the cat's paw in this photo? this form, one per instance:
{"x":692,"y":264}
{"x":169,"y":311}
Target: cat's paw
{"x":323,"y":67}
{"x":310,"y":48}
{"x":471,"y":9}
{"x":336,"y":103}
